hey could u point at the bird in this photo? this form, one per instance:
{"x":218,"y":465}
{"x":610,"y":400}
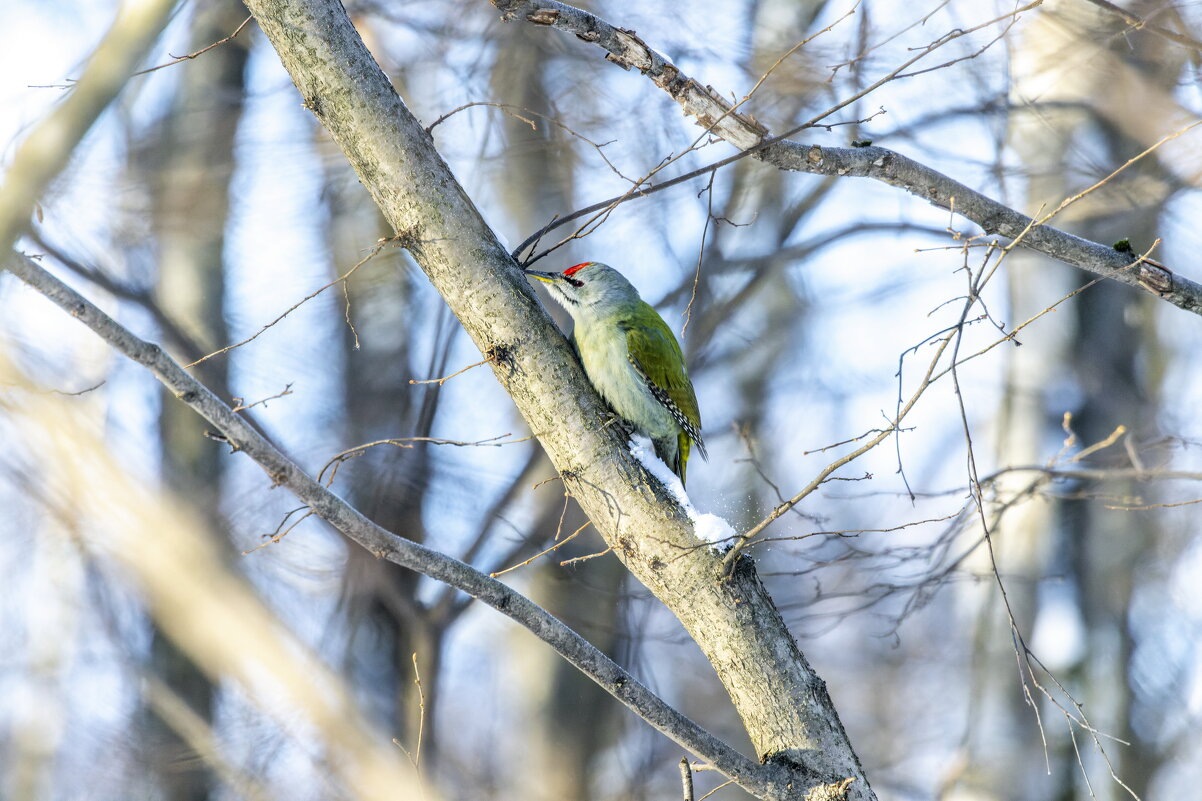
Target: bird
{"x":631,"y":358}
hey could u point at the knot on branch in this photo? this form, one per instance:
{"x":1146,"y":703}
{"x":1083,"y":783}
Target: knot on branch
{"x":314,"y":104}
{"x":501,"y":356}
{"x":410,"y":239}
{"x":543,"y":16}
{"x":835,"y":791}
{"x":1156,"y":277}
{"x":815,"y":777}
{"x":1152,"y":275}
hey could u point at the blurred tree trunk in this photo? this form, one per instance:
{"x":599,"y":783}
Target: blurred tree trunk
{"x":189,"y":163}
{"x":1002,"y":730}
{"x":1074,"y":552}
{"x":570,"y":722}
{"x":394,"y":339}
{"x":1118,"y":359}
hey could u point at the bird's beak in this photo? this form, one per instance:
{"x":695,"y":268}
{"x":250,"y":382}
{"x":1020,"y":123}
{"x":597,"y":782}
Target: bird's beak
{"x":549,"y":278}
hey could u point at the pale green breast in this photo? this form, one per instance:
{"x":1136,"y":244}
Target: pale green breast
{"x":605,"y":351}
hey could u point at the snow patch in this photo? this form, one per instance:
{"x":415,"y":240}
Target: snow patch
{"x":708,"y":527}
{"x":642,"y":449}
{"x":712,"y":529}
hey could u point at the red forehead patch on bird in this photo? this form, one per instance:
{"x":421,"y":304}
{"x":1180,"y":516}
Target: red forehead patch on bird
{"x":575,"y":268}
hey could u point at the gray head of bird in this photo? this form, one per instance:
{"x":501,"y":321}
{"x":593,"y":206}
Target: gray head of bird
{"x":590,"y":287}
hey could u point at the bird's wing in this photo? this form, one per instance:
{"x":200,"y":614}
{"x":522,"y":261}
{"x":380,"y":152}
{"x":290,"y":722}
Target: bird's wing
{"x":669,"y":385}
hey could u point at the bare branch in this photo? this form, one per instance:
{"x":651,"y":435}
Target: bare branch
{"x":745,"y":133}
{"x":180,"y":59}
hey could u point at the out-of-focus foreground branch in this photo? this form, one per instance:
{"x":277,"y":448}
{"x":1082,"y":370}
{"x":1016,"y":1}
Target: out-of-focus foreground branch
{"x":212,"y":614}
{"x":48,"y":147}
{"x":721,"y":118}
{"x":349,"y":521}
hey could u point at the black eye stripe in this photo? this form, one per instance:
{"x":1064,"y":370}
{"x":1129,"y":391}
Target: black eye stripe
{"x":576,"y":282}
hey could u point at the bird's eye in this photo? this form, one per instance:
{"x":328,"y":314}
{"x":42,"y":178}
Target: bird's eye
{"x":576,"y":282}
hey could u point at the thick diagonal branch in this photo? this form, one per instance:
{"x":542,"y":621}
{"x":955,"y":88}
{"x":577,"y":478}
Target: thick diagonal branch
{"x":782,"y":702}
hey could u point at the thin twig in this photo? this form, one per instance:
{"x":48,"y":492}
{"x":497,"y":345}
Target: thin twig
{"x":407,"y":443}
{"x":554,"y":547}
{"x":240,"y":405}
{"x":218,"y":43}
{"x":76,"y":393}
{"x":446,"y":378}
{"x":281,"y":532}
{"x":374,"y":251}
{"x":584,"y":558}
{"x":421,"y":717}
{"x":726,"y":783}
{"x":1105,"y":443}
{"x":709,"y":217}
